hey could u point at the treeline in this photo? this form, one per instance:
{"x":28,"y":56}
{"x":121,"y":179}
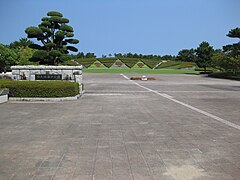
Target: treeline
{"x":226,"y":59}
{"x":205,"y":56}
{"x":126,"y":55}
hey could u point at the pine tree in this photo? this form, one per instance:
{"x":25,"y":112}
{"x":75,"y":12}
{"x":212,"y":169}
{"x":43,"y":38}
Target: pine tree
{"x":55,"y":35}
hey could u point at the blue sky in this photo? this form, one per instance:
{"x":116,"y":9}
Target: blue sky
{"x":141,"y":26}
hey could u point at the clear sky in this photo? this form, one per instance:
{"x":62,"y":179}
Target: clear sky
{"x":141,"y":26}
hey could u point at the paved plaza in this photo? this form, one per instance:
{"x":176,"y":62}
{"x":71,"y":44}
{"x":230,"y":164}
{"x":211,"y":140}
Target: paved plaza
{"x":178,"y":127}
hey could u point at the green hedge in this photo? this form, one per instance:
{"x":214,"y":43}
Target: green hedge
{"x":46,"y":89}
{"x":225,"y":75}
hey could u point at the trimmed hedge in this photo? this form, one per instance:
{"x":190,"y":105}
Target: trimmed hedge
{"x":86,"y":62}
{"x":108,"y":62}
{"x":129,"y":62}
{"x":45,"y":89}
{"x":151,"y":63}
{"x":225,"y":75}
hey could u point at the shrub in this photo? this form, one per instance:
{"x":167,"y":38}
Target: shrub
{"x":70,"y":63}
{"x":140,"y":65}
{"x":46,"y":89}
{"x":226,"y":75}
{"x":97,"y":64}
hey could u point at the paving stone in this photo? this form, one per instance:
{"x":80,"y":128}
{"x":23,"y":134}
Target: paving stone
{"x":135,"y":135}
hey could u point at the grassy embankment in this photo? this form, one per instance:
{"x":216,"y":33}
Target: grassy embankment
{"x":169,"y":67}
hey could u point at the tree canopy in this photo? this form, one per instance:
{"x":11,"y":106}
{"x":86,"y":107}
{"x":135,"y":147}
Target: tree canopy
{"x":8,"y":58}
{"x":231,"y":56}
{"x":55,"y":35}
{"x":204,"y":55}
{"x":187,"y":55}
{"x":23,"y":42}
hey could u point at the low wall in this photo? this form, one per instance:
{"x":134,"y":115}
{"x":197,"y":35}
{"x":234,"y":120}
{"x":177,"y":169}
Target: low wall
{"x":3,"y":98}
{"x":69,"y":73}
{"x":33,"y":73}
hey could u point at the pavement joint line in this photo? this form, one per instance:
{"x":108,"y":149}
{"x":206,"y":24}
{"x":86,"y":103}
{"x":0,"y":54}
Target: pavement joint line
{"x":95,"y":159}
{"x":12,"y":176}
{"x":58,"y":166}
{"x":158,"y":91}
{"x":104,"y":94}
{"x":228,"y":123}
{"x":201,"y":91}
{"x":126,"y":151}
{"x":90,"y":92}
{"x":150,"y":172}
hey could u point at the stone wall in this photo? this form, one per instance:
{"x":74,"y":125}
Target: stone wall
{"x":69,"y":73}
{"x":3,"y":98}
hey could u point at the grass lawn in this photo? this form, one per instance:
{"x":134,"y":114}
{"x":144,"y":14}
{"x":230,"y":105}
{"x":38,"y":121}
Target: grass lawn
{"x":139,"y":71}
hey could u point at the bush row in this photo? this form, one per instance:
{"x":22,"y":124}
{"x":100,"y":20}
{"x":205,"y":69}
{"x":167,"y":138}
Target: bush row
{"x":226,"y":75}
{"x":45,"y":89}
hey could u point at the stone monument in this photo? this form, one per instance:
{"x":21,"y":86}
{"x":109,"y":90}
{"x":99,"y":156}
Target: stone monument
{"x":34,"y":73}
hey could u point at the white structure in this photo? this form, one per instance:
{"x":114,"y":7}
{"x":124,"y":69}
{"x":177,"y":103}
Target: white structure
{"x":32,"y":73}
{"x":69,"y":73}
{"x":3,"y":98}
{"x":4,"y":95}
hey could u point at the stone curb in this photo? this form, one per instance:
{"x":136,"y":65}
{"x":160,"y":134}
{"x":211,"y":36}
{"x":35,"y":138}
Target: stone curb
{"x":46,"y":99}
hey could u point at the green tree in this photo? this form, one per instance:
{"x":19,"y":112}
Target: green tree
{"x":55,"y":35}
{"x":135,"y":55}
{"x":169,"y":57}
{"x":90,"y":55}
{"x":7,"y":58}
{"x":24,"y":54}
{"x":129,"y":55}
{"x":232,"y":52}
{"x":204,"y":55}
{"x":80,"y":55}
{"x":219,"y":61}
{"x":23,"y":51}
{"x":23,"y":42}
{"x":118,"y":55}
{"x":187,"y":55}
